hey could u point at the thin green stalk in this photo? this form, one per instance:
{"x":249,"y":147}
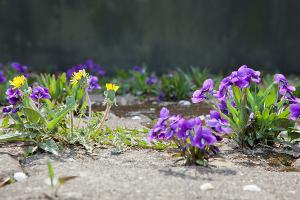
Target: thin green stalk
{"x":105,"y":116}
{"x":71,"y":122}
{"x":89,"y":104}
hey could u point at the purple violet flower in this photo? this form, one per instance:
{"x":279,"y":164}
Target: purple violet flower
{"x":295,"y":111}
{"x":13,"y":96}
{"x":201,"y":94}
{"x":160,"y":129}
{"x":93,"y":84}
{"x":186,"y":125}
{"x":138,"y":69}
{"x":285,"y":89}
{"x":243,"y":77}
{"x":160,"y":96}
{"x":40,"y":93}
{"x":152,"y":79}
{"x":19,"y":67}
{"x":160,"y":125}
{"x":7,"y":109}
{"x":224,"y":86}
{"x":95,"y":68}
{"x":203,"y":137}
{"x":2,"y":77}
{"x":189,"y":135}
{"x":218,"y":123}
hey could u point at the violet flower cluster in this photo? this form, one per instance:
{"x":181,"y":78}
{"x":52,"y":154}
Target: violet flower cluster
{"x":94,"y":68}
{"x":139,"y":69}
{"x":287,"y":92}
{"x":39,"y":93}
{"x":22,"y":69}
{"x":14,"y":97}
{"x":195,"y":138}
{"x":243,"y":78}
{"x":152,"y":79}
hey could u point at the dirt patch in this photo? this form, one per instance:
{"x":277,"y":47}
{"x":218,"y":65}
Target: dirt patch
{"x":151,"y":109}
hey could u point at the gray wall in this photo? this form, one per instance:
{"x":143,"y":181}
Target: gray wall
{"x":219,"y":34}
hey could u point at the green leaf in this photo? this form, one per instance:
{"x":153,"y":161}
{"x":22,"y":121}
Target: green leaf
{"x":49,"y":146}
{"x":270,"y":99}
{"x":5,"y":121}
{"x":250,"y":141}
{"x":251,"y":100}
{"x":17,"y":136}
{"x":201,"y":162}
{"x":60,"y":115}
{"x":16,"y":118}
{"x":266,"y":93}
{"x":49,"y":104}
{"x":265,"y":113}
{"x":70,"y":100}
{"x":30,"y":150}
{"x":63,"y":179}
{"x":34,"y":116}
{"x":232,"y":110}
{"x":51,"y":173}
{"x":284,"y":114}
{"x":236,"y":95}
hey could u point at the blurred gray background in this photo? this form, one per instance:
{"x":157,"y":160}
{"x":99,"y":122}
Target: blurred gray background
{"x":164,"y":34}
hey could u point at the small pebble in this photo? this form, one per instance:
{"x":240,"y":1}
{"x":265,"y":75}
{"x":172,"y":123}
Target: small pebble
{"x":184,"y":103}
{"x":20,"y":176}
{"x":296,"y":164}
{"x":207,"y":186}
{"x":251,"y":188}
{"x":136,"y":118}
{"x":202,"y":117}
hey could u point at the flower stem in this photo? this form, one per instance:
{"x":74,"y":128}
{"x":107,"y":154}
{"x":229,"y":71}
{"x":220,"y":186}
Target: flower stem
{"x":71,"y":122}
{"x":89,"y":105}
{"x":105,"y":116}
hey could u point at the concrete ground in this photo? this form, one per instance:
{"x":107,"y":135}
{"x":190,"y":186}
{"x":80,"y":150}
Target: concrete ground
{"x":145,"y":174}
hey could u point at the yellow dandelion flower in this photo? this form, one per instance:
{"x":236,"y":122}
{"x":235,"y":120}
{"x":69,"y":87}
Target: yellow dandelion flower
{"x":77,"y":76}
{"x":18,"y":81}
{"x":111,"y":86}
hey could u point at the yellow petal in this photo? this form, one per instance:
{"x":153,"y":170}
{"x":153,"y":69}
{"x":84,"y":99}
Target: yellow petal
{"x":115,"y":87}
